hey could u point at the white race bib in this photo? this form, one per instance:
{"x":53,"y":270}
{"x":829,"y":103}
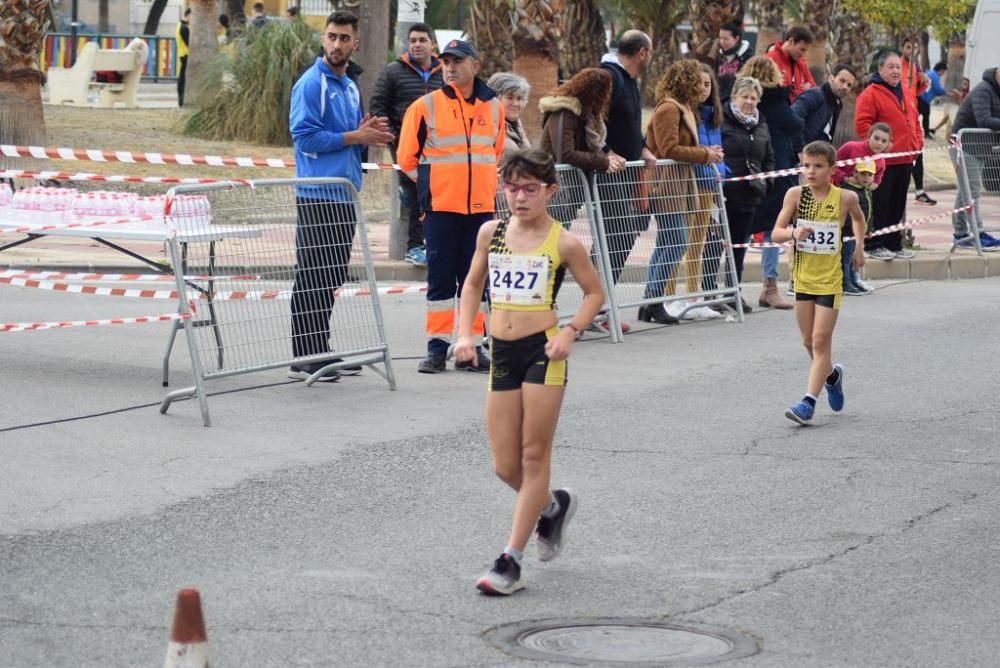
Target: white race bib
{"x":518,"y":279}
{"x":824,"y":239}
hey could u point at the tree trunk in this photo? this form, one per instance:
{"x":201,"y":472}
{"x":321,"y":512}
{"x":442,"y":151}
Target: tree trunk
{"x":371,"y":55}
{"x":237,"y":15}
{"x":22,"y":121}
{"x":204,"y":46}
{"x":153,"y":19}
{"x":770,"y":23}
{"x":663,"y":23}
{"x":706,"y":19}
{"x":817,"y":18}
{"x":956,"y":64}
{"x":851,"y":37}
{"x":536,"y":55}
{"x":489,"y":27}
{"x":582,"y":19}
{"x":102,"y":16}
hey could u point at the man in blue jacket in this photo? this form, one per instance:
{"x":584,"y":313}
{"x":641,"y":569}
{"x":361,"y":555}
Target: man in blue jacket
{"x":328,"y":131}
{"x":819,"y":108}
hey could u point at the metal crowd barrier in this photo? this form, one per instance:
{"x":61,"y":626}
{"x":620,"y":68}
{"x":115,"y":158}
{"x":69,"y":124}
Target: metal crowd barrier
{"x":977,"y":161}
{"x":573,"y":206}
{"x":276,"y":273}
{"x":689,"y":236}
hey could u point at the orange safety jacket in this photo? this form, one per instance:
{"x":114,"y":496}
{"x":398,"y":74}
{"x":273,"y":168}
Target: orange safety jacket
{"x":451,"y":148}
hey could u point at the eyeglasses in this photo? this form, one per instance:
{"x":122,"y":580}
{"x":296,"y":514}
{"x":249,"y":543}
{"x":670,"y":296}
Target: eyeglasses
{"x":527,"y":188}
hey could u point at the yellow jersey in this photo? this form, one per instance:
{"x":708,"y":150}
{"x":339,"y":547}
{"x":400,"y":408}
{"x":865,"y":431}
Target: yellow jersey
{"x":817,"y":267}
{"x":524,"y":281}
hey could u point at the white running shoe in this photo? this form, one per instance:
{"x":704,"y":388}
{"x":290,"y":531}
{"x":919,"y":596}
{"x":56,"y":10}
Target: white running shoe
{"x":676,"y":309}
{"x":705,"y":313}
{"x":551,"y":531}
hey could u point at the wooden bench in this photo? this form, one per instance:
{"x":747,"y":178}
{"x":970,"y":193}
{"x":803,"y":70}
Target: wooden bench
{"x":72,"y":85}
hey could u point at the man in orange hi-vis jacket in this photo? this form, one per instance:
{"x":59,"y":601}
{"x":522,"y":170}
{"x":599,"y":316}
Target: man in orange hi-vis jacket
{"x":450,"y":143}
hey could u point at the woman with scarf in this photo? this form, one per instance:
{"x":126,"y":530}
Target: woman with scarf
{"x":746,"y":143}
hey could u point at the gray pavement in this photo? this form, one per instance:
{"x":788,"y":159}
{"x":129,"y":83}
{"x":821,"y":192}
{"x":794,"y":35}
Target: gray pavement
{"x":345,"y":525}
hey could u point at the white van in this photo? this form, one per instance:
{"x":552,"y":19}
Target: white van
{"x":982,"y":49}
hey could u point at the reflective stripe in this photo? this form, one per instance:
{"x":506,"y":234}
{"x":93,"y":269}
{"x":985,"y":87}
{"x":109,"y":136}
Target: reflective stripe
{"x":483,"y":140}
{"x":495,"y":109}
{"x":440,"y":323}
{"x":429,"y":105}
{"x":322,"y":95}
{"x":460,"y":159}
{"x":434,"y":141}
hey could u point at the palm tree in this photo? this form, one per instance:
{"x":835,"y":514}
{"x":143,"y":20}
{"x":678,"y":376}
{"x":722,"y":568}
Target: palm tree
{"x":706,"y":19}
{"x":489,"y":28}
{"x":770,"y":22}
{"x":537,"y":31}
{"x":581,"y":20}
{"x":204,"y":45}
{"x":23,"y":24}
{"x":851,"y":39}
{"x":660,"y":18}
{"x":816,"y":16}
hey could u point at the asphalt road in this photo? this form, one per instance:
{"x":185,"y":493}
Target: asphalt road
{"x":345,"y":525}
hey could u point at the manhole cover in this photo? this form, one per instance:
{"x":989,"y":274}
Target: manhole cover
{"x":621,"y":642}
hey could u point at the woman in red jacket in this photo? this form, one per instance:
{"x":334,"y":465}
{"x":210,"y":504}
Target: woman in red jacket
{"x":887,"y":100}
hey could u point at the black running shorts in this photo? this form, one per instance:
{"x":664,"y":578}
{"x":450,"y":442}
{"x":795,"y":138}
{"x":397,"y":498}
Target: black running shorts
{"x":514,"y":363}
{"x":829,"y":301}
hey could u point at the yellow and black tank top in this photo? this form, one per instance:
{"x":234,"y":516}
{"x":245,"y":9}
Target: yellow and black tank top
{"x":817,"y":268}
{"x":524,"y":281}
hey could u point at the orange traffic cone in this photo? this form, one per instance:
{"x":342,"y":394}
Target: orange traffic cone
{"x":188,"y":647}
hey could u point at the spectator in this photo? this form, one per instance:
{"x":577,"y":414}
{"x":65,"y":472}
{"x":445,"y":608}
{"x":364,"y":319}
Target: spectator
{"x":918,"y":83}
{"x":879,"y":139}
{"x":513,"y":90}
{"x":258,"y":16}
{"x":414,"y":74}
{"x":785,"y":128}
{"x":292,"y":13}
{"x":734,"y":52}
{"x":450,"y":144}
{"x":183,"y":39}
{"x":681,"y":220}
{"x":980,"y":109}
{"x":625,"y":214}
{"x":328,"y":130}
{"x":934,"y":91}
{"x":790,"y":57}
{"x":746,"y":145}
{"x":887,"y":100}
{"x":573,"y":132}
{"x":861,"y":182}
{"x":820,"y":107}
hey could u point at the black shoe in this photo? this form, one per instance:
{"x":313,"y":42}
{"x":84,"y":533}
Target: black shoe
{"x":302,"y":372}
{"x":656,"y":313}
{"x":746,"y":305}
{"x":503,"y":579}
{"x":481,"y":358}
{"x":433,"y":363}
{"x":551,"y":531}
{"x":924,"y":198}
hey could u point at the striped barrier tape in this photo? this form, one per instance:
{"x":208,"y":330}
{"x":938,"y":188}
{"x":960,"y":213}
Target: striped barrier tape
{"x":71,"y":226}
{"x":117,"y":278}
{"x":876,"y":233}
{"x":219,"y":296}
{"x":793,"y":171}
{"x":110,"y":178}
{"x":94,"y":155}
{"x":10,"y":327}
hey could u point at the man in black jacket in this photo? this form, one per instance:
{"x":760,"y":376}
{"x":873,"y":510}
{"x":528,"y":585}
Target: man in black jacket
{"x":411,"y":76}
{"x":819,"y":108}
{"x":980,"y":109}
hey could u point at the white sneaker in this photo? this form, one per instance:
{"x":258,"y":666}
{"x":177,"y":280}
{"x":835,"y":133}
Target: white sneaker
{"x":675,"y":309}
{"x":882,"y":254}
{"x":705,"y":313}
{"x":905,"y":254}
{"x":865,"y":287}
{"x":790,"y":292}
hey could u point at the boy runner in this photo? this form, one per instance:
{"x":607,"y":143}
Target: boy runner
{"x":812,"y":215}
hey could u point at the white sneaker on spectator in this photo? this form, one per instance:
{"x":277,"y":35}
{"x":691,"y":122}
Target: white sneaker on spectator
{"x":675,"y":309}
{"x":882,"y":254}
{"x":705,"y":313}
{"x":905,"y":254}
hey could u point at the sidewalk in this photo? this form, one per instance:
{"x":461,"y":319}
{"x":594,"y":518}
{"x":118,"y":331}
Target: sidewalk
{"x":933,"y":259}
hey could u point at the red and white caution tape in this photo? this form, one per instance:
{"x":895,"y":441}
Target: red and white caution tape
{"x":792,"y":171}
{"x":876,"y":233}
{"x":110,"y":178}
{"x":218,"y":296}
{"x":117,"y":278}
{"x":71,"y":226}
{"x":10,"y":327}
{"x":93,"y":155}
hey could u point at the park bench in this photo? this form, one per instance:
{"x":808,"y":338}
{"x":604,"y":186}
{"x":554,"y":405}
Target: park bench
{"x":72,"y":85}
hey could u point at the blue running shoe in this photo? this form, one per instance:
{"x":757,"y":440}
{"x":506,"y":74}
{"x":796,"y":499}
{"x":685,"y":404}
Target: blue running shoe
{"x":835,"y":393}
{"x":801,"y":413}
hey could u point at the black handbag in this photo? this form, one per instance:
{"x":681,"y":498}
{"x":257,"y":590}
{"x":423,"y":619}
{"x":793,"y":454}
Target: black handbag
{"x":759,"y":187}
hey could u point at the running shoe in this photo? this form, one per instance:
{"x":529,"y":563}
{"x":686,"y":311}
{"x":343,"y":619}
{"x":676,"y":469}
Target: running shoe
{"x":853,"y":291}
{"x":988,"y":242}
{"x":417,"y":256}
{"x":481,"y":358}
{"x":676,"y":310}
{"x":882,"y":254}
{"x":966,"y":242}
{"x":503,"y":579}
{"x":864,"y":287}
{"x":924,"y":198}
{"x":705,"y":313}
{"x":905,"y":254}
{"x":801,"y":413}
{"x":551,"y":531}
{"x":835,"y":392}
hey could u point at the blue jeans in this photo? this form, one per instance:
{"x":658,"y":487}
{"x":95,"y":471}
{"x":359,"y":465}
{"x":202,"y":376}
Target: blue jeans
{"x":769,"y":258}
{"x":851,"y":277}
{"x":671,"y":242}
